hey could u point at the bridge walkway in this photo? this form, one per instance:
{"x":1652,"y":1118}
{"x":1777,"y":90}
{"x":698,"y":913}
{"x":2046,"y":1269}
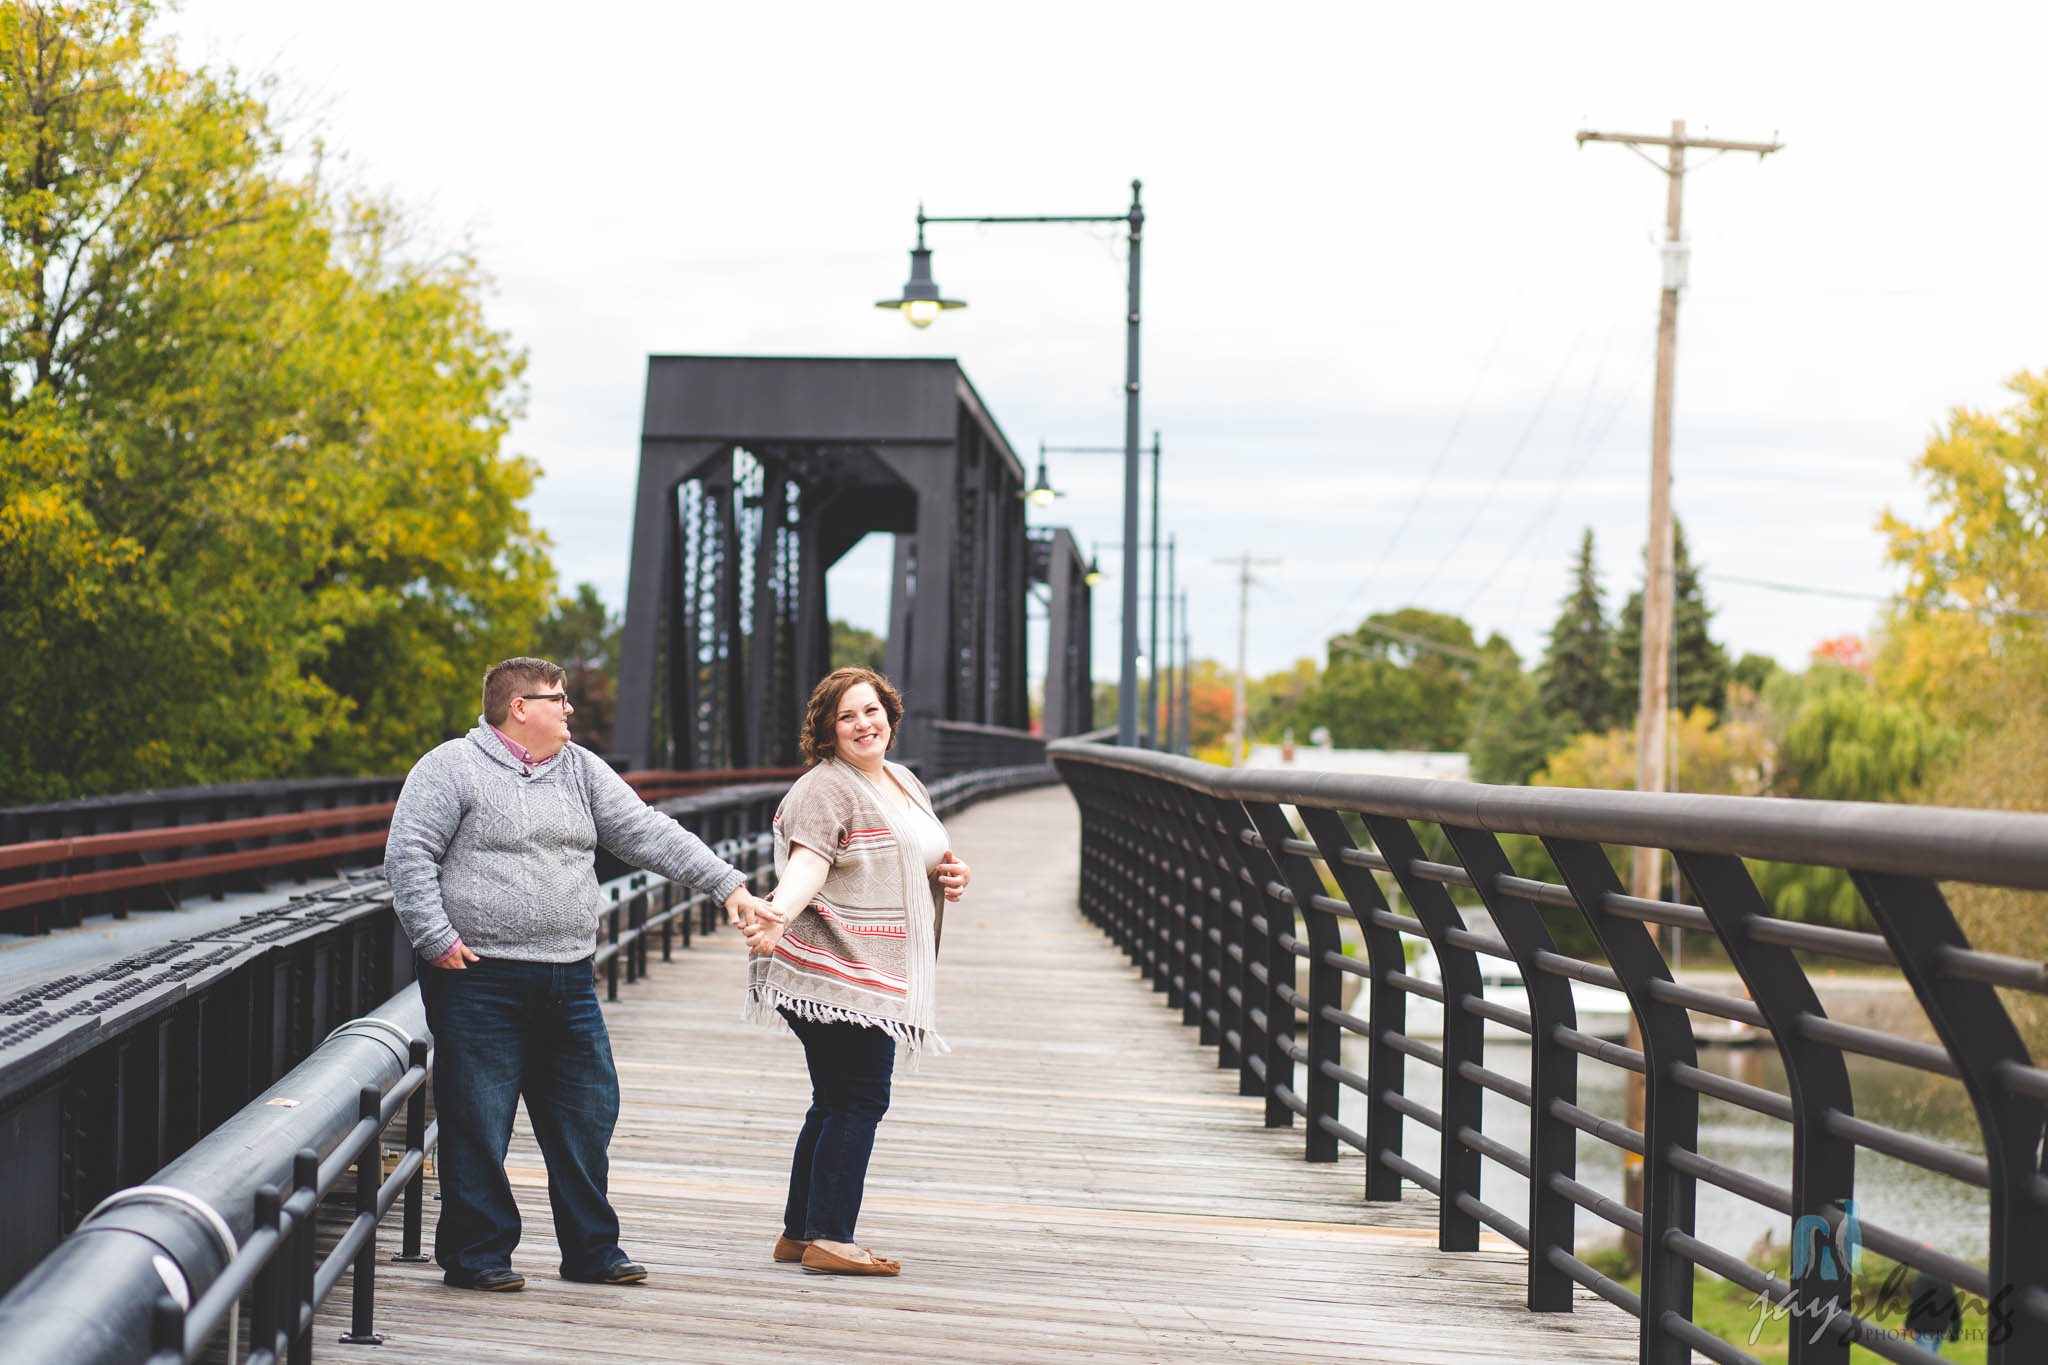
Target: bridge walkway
{"x":1076,"y":1182}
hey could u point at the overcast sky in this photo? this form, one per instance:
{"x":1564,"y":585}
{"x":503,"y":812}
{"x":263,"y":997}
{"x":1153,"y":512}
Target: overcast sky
{"x":1399,"y":329}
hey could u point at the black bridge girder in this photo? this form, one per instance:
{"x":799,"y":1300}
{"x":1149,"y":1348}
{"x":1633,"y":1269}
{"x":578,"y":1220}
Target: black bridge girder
{"x":757,"y":474}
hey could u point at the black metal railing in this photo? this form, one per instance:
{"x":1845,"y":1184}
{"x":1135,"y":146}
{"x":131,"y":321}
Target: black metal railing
{"x":153,"y":849}
{"x":276,"y":1270}
{"x":1227,"y":888}
{"x":967,"y":747}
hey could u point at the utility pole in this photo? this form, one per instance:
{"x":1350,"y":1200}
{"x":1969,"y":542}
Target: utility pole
{"x":1151,"y":707}
{"x":1164,"y":732}
{"x":1244,"y":563}
{"x":1654,"y":699}
{"x":1187,"y":668}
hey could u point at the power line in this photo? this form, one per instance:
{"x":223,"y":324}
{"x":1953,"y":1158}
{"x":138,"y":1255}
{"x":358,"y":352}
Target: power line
{"x":1557,"y":491}
{"x":1514,"y":454}
{"x":1416,"y":641}
{"x":1388,"y":546}
{"x":1891,"y":599}
{"x":1907,"y":293}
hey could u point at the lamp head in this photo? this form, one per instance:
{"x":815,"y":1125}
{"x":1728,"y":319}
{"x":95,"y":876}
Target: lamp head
{"x":920,"y":303}
{"x":1094,"y":574}
{"x":1042,"y":493}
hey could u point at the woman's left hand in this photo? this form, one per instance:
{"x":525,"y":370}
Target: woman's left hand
{"x":953,"y":875}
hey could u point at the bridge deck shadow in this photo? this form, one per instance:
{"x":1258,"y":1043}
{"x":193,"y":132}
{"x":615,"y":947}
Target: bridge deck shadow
{"x":1078,"y":1181}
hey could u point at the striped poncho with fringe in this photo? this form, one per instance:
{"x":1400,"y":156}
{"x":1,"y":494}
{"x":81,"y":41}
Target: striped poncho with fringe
{"x":865,"y":948}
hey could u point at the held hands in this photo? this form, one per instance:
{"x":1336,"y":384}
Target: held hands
{"x":953,"y":875}
{"x":801,"y":877}
{"x":743,"y":908}
{"x":757,"y":919}
{"x":762,"y":937}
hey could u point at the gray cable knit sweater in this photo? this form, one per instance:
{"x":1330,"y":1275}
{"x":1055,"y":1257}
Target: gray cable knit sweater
{"x":506,"y":859}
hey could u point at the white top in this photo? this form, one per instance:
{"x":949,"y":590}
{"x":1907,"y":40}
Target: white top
{"x":928,"y":834}
{"x":918,"y":830}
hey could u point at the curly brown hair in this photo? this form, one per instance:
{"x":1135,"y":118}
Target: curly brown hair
{"x":818,"y":741}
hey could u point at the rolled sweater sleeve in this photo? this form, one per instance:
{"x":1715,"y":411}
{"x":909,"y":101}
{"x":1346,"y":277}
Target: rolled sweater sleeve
{"x":424,"y":822}
{"x":641,"y":836}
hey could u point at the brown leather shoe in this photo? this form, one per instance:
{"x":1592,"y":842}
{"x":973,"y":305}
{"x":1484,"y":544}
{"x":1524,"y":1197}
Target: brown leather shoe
{"x":819,"y":1261}
{"x":789,"y":1249}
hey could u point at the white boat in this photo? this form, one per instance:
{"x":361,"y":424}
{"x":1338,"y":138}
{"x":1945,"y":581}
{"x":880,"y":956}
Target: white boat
{"x":1603,"y":1012}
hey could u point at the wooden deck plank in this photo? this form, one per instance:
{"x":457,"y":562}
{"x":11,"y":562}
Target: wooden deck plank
{"x":1077,"y":1182}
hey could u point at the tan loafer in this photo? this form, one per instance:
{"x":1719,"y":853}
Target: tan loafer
{"x":789,"y":1249}
{"x":819,"y":1261}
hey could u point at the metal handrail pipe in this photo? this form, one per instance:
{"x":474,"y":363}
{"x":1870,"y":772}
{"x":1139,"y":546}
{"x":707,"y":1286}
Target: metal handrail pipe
{"x":2000,"y":848}
{"x":1604,"y":1207}
{"x":1495,"y":1219}
{"x":1557,"y":964}
{"x":1708,"y":1002}
{"x":1857,"y":945}
{"x":1593,"y":1125}
{"x":1754,"y":1098}
{"x":1529,"y":889}
{"x":1753,"y":1188}
{"x":1651,"y":911}
{"x":1886,"y":1047}
{"x":1915,"y":1151}
{"x":1407,"y":924}
{"x":1479,"y":943}
{"x":1615,"y":1293}
{"x":90,"y":1301}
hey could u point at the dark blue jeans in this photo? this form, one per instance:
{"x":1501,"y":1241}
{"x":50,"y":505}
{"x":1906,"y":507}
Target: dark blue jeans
{"x":502,"y":1030}
{"x":850,"y":1066}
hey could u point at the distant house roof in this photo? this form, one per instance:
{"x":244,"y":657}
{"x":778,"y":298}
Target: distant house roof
{"x":1446,"y":767}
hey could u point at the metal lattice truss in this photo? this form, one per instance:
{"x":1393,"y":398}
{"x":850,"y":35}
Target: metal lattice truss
{"x":756,"y":476}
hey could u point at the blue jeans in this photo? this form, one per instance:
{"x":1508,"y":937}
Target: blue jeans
{"x":505,"y":1029}
{"x":850,"y":1066}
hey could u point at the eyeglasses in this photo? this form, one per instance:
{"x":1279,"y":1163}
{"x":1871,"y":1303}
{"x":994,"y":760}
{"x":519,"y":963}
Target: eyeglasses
{"x":558,"y":697}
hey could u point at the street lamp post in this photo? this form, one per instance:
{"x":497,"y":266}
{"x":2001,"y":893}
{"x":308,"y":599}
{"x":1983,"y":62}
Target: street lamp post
{"x":921,"y":303}
{"x":1042,"y":496}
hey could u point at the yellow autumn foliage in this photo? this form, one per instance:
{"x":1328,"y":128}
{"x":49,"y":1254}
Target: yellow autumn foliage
{"x":255,"y":515}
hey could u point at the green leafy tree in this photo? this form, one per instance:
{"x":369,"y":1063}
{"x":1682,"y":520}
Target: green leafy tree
{"x":582,"y":635}
{"x":1578,"y":685}
{"x":1754,"y":672}
{"x":1835,"y":737}
{"x":254,"y":516}
{"x":1701,"y":665}
{"x":1403,"y":680}
{"x":1513,"y":732}
{"x":1839,"y":739}
{"x":1271,"y":702}
{"x":853,"y":647}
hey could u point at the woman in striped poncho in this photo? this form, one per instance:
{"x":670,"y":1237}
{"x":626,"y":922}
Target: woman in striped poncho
{"x":859,"y":850}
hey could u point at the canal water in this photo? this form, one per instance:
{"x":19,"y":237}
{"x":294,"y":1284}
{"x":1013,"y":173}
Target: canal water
{"x":1944,"y":1213}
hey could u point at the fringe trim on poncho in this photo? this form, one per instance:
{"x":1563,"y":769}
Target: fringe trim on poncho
{"x":765,"y":1005}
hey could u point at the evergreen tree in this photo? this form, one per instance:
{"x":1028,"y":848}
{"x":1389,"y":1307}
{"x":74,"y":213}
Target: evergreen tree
{"x":1702,"y":668}
{"x":1578,"y":687}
